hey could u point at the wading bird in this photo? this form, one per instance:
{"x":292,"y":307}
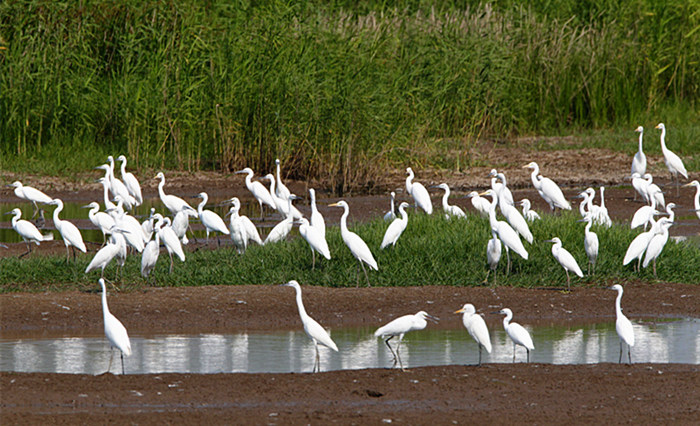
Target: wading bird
{"x":396,"y":228}
{"x":69,"y":232}
{"x":172,"y":202}
{"x":281,"y":191}
{"x":149,"y":256}
{"x":480,"y":204}
{"x":391,"y":214}
{"x":639,"y":245}
{"x":696,"y":200}
{"x":312,"y":328}
{"x":242,"y":229}
{"x":101,"y":220}
{"x":116,"y":186}
{"x":590,"y":243}
{"x":30,"y":194}
{"x":673,"y":161}
{"x":418,"y":192}
{"x":450,"y":210}
{"x":114,"y":330}
{"x":399,"y":327}
{"x":316,"y":220}
{"x":114,"y":249}
{"x":131,"y":183}
{"x":623,"y":326}
{"x":506,"y":234}
{"x":476,"y":327}
{"x":27,"y":231}
{"x":517,"y":333}
{"x":317,"y":242}
{"x":530,"y":215}
{"x":657,"y":242}
{"x":565,"y":259}
{"x":357,"y":246}
{"x":260,"y":193}
{"x":212,"y":222}
{"x":283,"y":205}
{"x":493,"y":255}
{"x":639,"y":162}
{"x":284,"y":227}
{"x":547,"y":189}
{"x":169,"y":239}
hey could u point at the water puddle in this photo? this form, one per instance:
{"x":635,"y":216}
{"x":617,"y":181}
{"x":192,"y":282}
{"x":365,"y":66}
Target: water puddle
{"x":676,"y":341}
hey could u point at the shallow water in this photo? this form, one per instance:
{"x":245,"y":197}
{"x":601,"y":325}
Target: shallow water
{"x":675,"y":341}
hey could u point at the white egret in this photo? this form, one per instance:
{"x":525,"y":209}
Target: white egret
{"x":657,"y":242}
{"x":212,"y":222}
{"x":27,"y":231}
{"x":149,"y":256}
{"x":590,"y":243}
{"x":116,"y":186}
{"x":316,"y":241}
{"x":623,"y":326}
{"x":115,"y":248}
{"x":530,"y":215}
{"x":312,"y":328}
{"x":69,"y":232}
{"x":180,"y":225}
{"x":640,"y":186}
{"x":30,"y":194}
{"x":505,"y":197}
{"x":480,"y":204}
{"x":639,"y":162}
{"x":261,"y":194}
{"x":396,"y":228}
{"x":476,"y":327}
{"x":131,"y":183}
{"x":603,"y":216}
{"x":549,"y":190}
{"x":399,"y":327}
{"x":284,"y":227}
{"x":147,"y":225}
{"x":696,"y":200}
{"x":391,"y":214}
{"x":493,"y":255}
{"x":282,"y":191}
{"x":587,"y":207}
{"x":243,"y":231}
{"x":517,"y":221}
{"x":565,"y":259}
{"x":172,"y":202}
{"x":673,"y":161}
{"x":357,"y":246}
{"x":669,"y":211}
{"x":170,"y":240}
{"x":506,"y":234}
{"x":517,"y":333}
{"x":114,"y":330}
{"x":653,"y":191}
{"x":283,"y":206}
{"x":105,"y":190}
{"x":644,"y":215}
{"x":450,"y":210}
{"x":103,"y":221}
{"x":418,"y":192}
{"x":134,"y":235}
{"x":316,"y":220}
{"x":639,"y":245}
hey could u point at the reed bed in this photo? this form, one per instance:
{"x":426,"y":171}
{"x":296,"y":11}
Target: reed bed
{"x":337,"y":90}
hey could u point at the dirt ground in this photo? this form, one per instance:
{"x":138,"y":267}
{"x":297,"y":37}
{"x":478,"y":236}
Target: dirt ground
{"x":495,"y":393}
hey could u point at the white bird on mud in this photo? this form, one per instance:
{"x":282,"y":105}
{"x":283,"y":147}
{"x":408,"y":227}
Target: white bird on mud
{"x":530,"y":215}
{"x":103,"y":221}
{"x":172,"y":202}
{"x":30,"y":194}
{"x":623,"y":326}
{"x":114,"y":330}
{"x":69,"y":232}
{"x":212,"y":222}
{"x":130,"y":181}
{"x":640,"y":186}
{"x":565,"y":259}
{"x":696,"y":199}
{"x":281,"y":189}
{"x":242,"y":229}
{"x":357,"y":246}
{"x":476,"y":327}
{"x":391,"y":214}
{"x":639,"y":162}
{"x":316,"y":220}
{"x":480,"y":204}
{"x":450,"y":210}
{"x":590,"y":243}
{"x":673,"y":161}
{"x":506,"y":234}
{"x":316,"y":241}
{"x":312,"y":328}
{"x":260,"y":193}
{"x":418,"y":192}
{"x":547,"y":189}
{"x":657,"y":242}
{"x":517,"y":333}
{"x":493,"y":255}
{"x":27,"y":231}
{"x":396,"y":228}
{"x":399,"y":327}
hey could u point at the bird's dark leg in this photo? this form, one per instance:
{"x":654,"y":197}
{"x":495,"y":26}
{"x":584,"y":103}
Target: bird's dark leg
{"x":111,"y":357}
{"x":568,"y":280}
{"x":365,"y":271}
{"x":528,"y":354}
{"x":122,"y":355}
{"x":508,"y":266}
{"x":171,"y":262}
{"x":392,"y":351}
{"x":629,"y":353}
{"x":313,"y":259}
{"x":29,"y":250}
{"x":480,"y":354}
{"x":398,"y":353}
{"x":514,"y":353}
{"x":620,"y":360}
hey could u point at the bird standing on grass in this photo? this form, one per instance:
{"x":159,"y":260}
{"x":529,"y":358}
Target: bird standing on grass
{"x":242,"y":229}
{"x":69,"y":232}
{"x":418,"y":192}
{"x":590,"y":243}
{"x":391,"y":214}
{"x":357,"y":246}
{"x":450,"y":210}
{"x":399,"y":327}
{"x":566,"y":260}
{"x":312,"y":328}
{"x":639,"y":162}
{"x":476,"y":327}
{"x":317,"y":242}
{"x":396,"y":228}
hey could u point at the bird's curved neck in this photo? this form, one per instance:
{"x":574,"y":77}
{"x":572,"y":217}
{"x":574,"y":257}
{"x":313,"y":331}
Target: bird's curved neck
{"x":663,"y":139}
{"x":344,"y":219}
{"x":402,"y":211}
{"x":123,"y":167}
{"x":201,"y":205}
{"x":314,"y":210}
{"x":618,"y":309}
{"x":16,"y":217}
{"x":588,"y":226}
{"x":278,"y":173}
{"x":492,"y":212}
{"x":56,"y":211}
{"x":300,"y":304}
{"x":506,"y":320}
{"x":602,"y":197}
{"x":105,"y":308}
{"x":533,"y":176}
{"x":160,"y":187}
{"x":640,"y":140}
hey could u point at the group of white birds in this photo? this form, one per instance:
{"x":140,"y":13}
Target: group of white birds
{"x":125,"y":231}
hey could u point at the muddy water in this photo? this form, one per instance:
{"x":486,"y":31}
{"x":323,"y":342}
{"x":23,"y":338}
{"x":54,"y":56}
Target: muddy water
{"x":664,"y":341}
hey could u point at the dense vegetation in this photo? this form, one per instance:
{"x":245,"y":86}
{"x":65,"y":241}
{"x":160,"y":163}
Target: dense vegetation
{"x":334,"y":89}
{"x":432,"y":251}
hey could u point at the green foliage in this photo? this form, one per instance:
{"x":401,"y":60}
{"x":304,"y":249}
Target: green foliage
{"x":432,"y":251}
{"x":335,"y":89}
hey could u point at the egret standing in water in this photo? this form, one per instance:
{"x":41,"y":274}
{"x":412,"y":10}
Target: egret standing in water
{"x":396,"y":228}
{"x":623,"y":326}
{"x":401,"y":326}
{"x":565,"y":259}
{"x":673,"y":161}
{"x":517,"y":333}
{"x":357,"y":246}
{"x":418,"y":192}
{"x":27,"y":231}
{"x":313,"y":329}
{"x":30,"y":194}
{"x":476,"y":327}
{"x":114,"y":330}
{"x":69,"y":232}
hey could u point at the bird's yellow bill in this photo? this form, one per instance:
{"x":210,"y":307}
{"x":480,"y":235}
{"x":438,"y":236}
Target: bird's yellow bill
{"x":657,"y":126}
{"x":483,"y":193}
{"x":459,"y":311}
{"x":687,"y":184}
{"x":333,"y":205}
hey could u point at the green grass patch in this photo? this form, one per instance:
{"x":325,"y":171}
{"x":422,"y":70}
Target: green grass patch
{"x":432,"y":251}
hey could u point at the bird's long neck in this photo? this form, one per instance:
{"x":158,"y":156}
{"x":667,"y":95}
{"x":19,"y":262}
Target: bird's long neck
{"x":123,"y":168}
{"x":344,"y":220}
{"x":105,"y":308}
{"x":314,"y":210}
{"x":506,"y":320}
{"x":161,"y":192}
{"x":278,"y":173}
{"x":618,"y":309}
{"x":409,"y":181}
{"x":663,"y":139}
{"x":582,"y":206}
{"x":201,"y":205}
{"x":640,"y":140}
{"x":602,"y":196}
{"x":445,"y":196}
{"x":290,"y":213}
{"x":105,"y":192}
{"x":588,"y":226}
{"x":402,"y":210}
{"x":492,"y":212}
{"x":533,"y":176}
{"x":15,"y":218}
{"x":300,"y":305}
{"x":56,"y":211}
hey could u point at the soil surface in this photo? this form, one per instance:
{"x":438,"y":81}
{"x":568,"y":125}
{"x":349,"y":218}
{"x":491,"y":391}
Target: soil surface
{"x":494,"y":393}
